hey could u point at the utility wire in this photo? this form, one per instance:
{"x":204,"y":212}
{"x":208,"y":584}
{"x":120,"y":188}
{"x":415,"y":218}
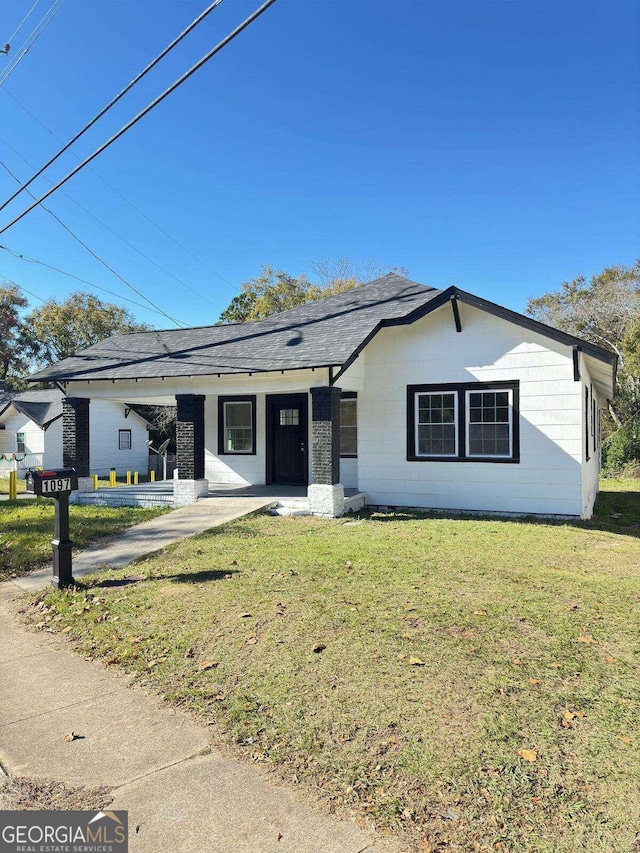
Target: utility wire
{"x":97,"y":257}
{"x":23,"y":289}
{"x":117,"y":192}
{"x":221,"y":44}
{"x":29,"y":260}
{"x":47,"y":18}
{"x":22,"y":22}
{"x":104,"y":225}
{"x":115,"y":100}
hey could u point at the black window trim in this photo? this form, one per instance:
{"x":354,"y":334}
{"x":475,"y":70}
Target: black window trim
{"x":460,"y":389}
{"x":237,"y":398}
{"x":120,"y":432}
{"x":351,"y":395}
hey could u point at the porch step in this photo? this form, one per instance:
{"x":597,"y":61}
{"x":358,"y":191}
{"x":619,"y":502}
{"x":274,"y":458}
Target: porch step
{"x":115,"y":497}
{"x":289,"y":508}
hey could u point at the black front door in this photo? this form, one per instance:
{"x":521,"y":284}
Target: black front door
{"x":287,"y":439}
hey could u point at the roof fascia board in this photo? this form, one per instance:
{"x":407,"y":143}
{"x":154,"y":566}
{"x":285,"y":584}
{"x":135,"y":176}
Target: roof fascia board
{"x":535,"y":326}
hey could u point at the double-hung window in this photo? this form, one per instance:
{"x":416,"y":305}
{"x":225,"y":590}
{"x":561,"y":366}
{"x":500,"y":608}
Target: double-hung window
{"x":21,"y":444}
{"x":348,"y":425}
{"x":124,"y":439}
{"x":237,"y":425}
{"x":463,"y":422}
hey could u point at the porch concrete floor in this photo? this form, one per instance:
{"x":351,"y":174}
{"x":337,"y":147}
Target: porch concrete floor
{"x":164,"y":488}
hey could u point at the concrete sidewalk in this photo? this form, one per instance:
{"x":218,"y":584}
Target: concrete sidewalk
{"x":117,"y":551}
{"x":182,"y":796}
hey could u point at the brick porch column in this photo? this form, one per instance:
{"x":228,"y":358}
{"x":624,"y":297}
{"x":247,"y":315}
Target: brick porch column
{"x":326,"y":493}
{"x":191,"y":483}
{"x":75,"y":439}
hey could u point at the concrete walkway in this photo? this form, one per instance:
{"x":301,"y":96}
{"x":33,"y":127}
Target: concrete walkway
{"x":117,"y":551}
{"x":181,"y":795}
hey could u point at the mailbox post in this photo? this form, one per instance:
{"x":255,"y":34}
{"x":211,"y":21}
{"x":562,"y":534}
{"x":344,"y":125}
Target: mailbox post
{"x":58,"y":485}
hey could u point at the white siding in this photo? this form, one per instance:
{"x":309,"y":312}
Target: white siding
{"x":14,"y":423}
{"x":53,"y":445}
{"x":105,"y":420}
{"x":548,"y":478}
{"x":590,"y":467}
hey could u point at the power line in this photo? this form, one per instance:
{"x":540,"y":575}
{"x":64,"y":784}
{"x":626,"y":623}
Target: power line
{"x":182,"y":79}
{"x":29,"y":260}
{"x":118,"y":192}
{"x":115,"y":100}
{"x":23,"y":289}
{"x":108,"y":228}
{"x":40,"y":27}
{"x":97,"y":257}
{"x":22,"y":22}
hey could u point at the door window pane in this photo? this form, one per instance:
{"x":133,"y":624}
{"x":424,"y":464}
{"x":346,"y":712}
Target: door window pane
{"x":289,"y":417}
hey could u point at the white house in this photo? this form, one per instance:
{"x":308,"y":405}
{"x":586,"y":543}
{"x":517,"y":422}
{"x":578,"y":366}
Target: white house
{"x":31,"y":434}
{"x":413,"y":396}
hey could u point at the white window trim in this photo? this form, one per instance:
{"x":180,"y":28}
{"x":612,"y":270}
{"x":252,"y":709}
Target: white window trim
{"x":416,"y":407}
{"x":251,"y":450}
{"x":122,"y":432}
{"x":467,"y":395}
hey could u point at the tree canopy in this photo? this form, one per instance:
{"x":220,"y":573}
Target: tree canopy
{"x":13,"y":360}
{"x":53,"y":331}
{"x":605,"y":309}
{"x":57,"y":330}
{"x":275,"y":290}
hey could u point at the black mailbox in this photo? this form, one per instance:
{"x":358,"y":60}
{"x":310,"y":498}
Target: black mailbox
{"x":51,"y":483}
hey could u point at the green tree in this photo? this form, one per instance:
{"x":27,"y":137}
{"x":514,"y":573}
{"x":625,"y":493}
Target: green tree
{"x":14,"y":359}
{"x":275,"y":290}
{"x":605,"y":310}
{"x":58,"y":330}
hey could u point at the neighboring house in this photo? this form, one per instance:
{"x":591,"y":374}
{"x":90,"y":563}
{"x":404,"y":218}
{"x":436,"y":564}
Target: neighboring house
{"x":31,"y":434}
{"x":415,"y":396}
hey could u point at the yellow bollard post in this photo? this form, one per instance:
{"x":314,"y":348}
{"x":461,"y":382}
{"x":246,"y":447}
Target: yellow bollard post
{"x":112,"y":477}
{"x":94,"y":477}
{"x":128,"y":478}
{"x":135,"y":478}
{"x":13,"y":485}
{"x":153,"y":476}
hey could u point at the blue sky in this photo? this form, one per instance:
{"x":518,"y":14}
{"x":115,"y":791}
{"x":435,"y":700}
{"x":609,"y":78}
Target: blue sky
{"x":492,"y":144}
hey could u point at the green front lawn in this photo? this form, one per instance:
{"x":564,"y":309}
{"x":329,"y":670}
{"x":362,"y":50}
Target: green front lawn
{"x":27,"y":527}
{"x":4,"y":485}
{"x":465,"y":684}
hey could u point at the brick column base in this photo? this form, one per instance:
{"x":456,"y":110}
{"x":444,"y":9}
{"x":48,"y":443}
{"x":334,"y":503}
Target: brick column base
{"x":326,"y":501}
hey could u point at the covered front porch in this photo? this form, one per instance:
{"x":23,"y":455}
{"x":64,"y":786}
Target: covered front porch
{"x":262,"y":435}
{"x":285,"y":500}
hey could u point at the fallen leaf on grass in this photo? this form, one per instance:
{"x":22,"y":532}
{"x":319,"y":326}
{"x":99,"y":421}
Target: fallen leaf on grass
{"x":190,"y":652}
{"x":479,"y":612}
{"x":72,"y":736}
{"x":67,"y":629}
{"x":208,"y":664}
{"x":250,"y":640}
{"x":624,"y":739}
{"x":609,"y":659}
{"x":528,"y":754}
{"x":535,"y":681}
{"x":414,"y":661}
{"x":517,"y":662}
{"x":319,"y":647}
{"x":244,"y":615}
{"x":586,"y":638}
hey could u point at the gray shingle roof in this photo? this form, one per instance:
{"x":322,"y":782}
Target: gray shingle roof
{"x":316,"y":334}
{"x":41,"y":407}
